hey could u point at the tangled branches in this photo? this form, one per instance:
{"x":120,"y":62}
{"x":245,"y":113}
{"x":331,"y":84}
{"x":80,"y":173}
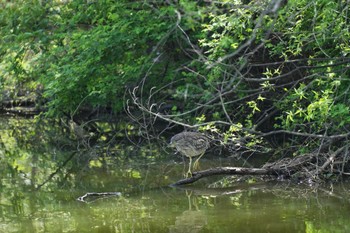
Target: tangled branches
{"x":275,"y":88}
{"x":313,"y":167}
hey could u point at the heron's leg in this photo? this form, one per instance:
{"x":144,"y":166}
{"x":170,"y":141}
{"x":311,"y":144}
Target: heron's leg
{"x":189,"y":173}
{"x":195,"y":164}
{"x":184,"y":163}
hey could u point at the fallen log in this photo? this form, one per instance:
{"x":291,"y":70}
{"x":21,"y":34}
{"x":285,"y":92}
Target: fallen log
{"x":21,"y":111}
{"x":228,"y":171}
{"x":312,"y":167}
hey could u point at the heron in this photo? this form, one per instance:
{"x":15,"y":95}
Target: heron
{"x":190,"y":144}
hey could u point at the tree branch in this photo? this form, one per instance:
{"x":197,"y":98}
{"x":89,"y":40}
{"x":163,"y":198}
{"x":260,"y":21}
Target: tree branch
{"x":336,"y":136}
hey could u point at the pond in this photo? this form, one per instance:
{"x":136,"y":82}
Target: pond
{"x":42,"y":177}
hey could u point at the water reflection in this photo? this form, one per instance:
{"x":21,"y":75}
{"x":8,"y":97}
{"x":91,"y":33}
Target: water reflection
{"x":191,"y":220}
{"x":41,"y":177}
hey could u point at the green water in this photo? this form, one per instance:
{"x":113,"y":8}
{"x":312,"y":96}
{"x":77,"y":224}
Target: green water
{"x":255,"y":207}
{"x":30,"y":159}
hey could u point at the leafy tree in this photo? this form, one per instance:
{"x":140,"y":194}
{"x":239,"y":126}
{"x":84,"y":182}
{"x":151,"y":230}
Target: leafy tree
{"x":86,"y":53}
{"x":268,"y":75}
{"x":257,"y":75}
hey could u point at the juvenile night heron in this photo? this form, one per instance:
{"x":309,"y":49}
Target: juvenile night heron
{"x":190,"y":144}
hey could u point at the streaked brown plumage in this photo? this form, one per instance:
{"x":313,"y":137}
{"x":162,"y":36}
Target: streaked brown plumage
{"x":190,"y":144}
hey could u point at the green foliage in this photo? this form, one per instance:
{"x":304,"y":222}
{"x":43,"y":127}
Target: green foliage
{"x":318,"y":34}
{"x":250,"y":63}
{"x":307,"y":80}
{"x":225,"y":32}
{"x":86,"y":53}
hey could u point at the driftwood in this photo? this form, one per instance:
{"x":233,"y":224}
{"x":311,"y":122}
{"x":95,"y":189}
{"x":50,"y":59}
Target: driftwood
{"x":228,"y":171}
{"x":97,"y":196}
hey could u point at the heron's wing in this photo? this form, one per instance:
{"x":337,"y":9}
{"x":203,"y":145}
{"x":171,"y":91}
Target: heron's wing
{"x":201,"y":143}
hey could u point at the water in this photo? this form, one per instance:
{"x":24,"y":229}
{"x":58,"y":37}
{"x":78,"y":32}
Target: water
{"x":147,"y":203}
